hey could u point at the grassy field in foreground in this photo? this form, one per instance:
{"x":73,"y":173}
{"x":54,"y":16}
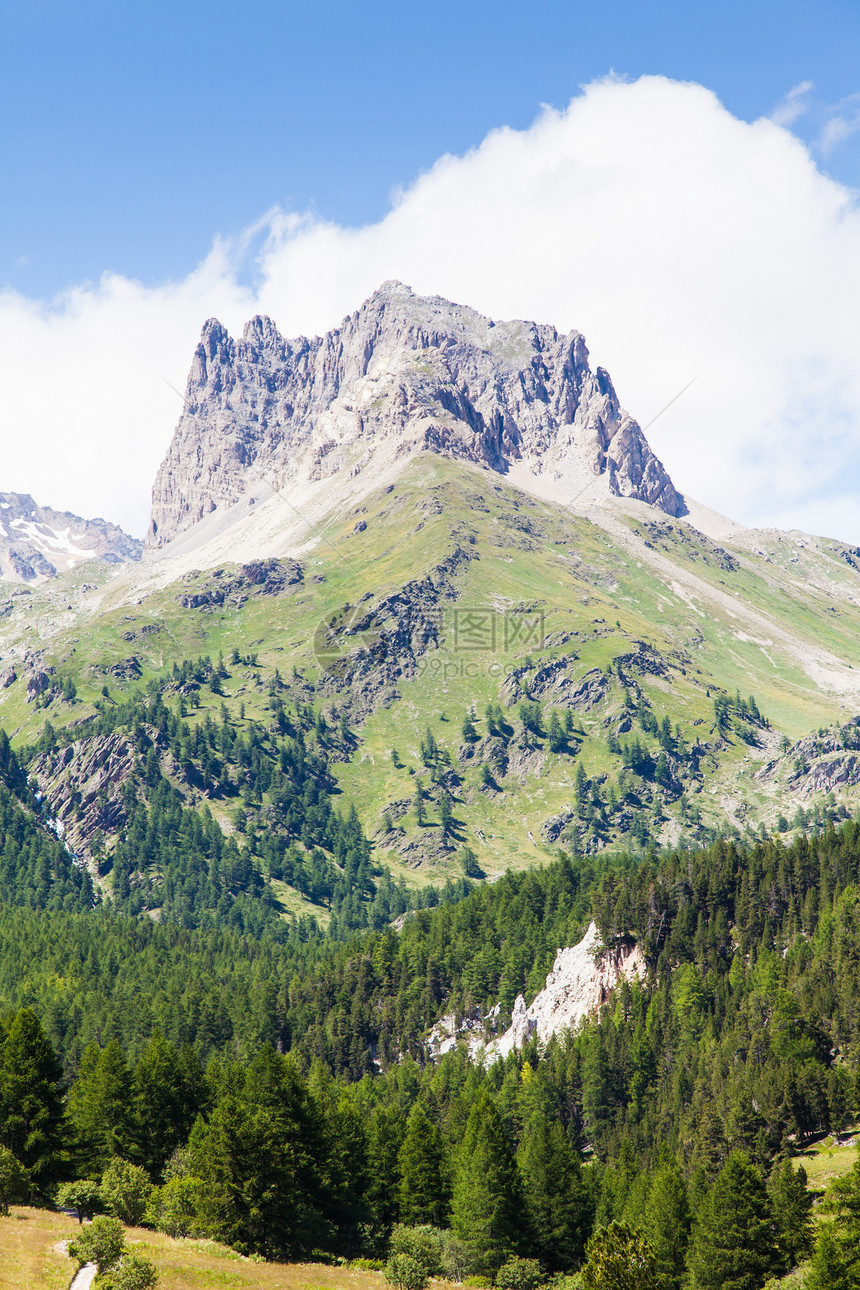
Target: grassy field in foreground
{"x":28,"y":1257}
{"x":31,"y":1260}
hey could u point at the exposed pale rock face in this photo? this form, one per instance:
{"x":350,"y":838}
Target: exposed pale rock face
{"x":581,"y":980}
{"x":37,"y":542}
{"x":405,"y":373}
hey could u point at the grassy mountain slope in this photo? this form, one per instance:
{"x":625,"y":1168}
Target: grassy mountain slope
{"x":616,"y":654}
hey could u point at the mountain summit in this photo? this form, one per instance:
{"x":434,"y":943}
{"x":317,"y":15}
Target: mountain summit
{"x":402,"y":375}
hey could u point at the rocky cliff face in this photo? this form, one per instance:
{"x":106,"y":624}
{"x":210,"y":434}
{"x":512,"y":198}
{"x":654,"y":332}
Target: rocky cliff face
{"x":405,"y":373}
{"x":582,"y":979}
{"x":37,"y":542}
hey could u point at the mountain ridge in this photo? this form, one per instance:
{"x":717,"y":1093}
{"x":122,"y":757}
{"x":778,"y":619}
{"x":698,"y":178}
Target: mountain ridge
{"x":401,"y":375}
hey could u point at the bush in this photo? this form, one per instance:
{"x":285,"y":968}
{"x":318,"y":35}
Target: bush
{"x":102,"y":1243}
{"x":125,"y":1190}
{"x":457,"y":1258}
{"x":480,"y":1282}
{"x":405,"y":1272}
{"x":176,"y":1208}
{"x":423,"y":1243}
{"x":366,"y":1265}
{"x":134,"y":1273}
{"x":82,"y":1195}
{"x":619,"y":1258}
{"x":520,"y":1274}
{"x":14,"y":1179}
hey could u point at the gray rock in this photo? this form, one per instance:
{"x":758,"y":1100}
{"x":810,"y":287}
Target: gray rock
{"x":406,"y":374}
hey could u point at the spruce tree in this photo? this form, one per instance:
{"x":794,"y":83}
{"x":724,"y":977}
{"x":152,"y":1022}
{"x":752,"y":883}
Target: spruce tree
{"x":33,"y":1122}
{"x":487,"y":1205}
{"x":734,"y":1245}
{"x":554,"y":1193}
{"x":424,"y":1193}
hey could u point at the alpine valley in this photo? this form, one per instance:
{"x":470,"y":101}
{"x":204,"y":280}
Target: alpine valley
{"x":439,"y":841}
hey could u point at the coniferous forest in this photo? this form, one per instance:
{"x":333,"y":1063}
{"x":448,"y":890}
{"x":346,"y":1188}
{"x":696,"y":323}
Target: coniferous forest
{"x":226,"y":1073}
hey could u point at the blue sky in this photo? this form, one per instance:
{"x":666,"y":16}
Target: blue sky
{"x":135,"y":132}
{"x":677,"y":181}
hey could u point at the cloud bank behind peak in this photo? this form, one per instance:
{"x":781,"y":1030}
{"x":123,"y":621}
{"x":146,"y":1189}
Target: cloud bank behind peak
{"x":679,"y":239}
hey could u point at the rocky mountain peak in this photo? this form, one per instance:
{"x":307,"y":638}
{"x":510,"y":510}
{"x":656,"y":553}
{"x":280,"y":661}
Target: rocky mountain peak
{"x":403,"y":374}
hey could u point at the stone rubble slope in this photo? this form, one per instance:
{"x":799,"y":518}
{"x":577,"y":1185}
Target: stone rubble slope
{"x":404,"y":374}
{"x":582,"y":979}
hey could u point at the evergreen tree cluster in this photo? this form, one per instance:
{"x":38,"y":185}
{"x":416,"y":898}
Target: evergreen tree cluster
{"x":463,"y":1170}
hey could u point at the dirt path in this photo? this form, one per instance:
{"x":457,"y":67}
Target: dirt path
{"x":84,"y":1277}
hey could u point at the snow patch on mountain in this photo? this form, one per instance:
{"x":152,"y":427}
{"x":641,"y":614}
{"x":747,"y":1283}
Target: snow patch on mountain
{"x":37,"y":542}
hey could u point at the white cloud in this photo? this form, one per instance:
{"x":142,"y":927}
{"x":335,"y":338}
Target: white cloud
{"x":677,"y":238}
{"x":843,"y":122}
{"x":794,"y":105}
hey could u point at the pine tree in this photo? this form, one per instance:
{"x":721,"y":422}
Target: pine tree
{"x":734,"y":1246}
{"x":792,"y":1210}
{"x":424,"y":1193}
{"x":33,"y":1122}
{"x":554,"y":1193}
{"x":101,"y":1104}
{"x":168,"y":1095}
{"x":555,"y":733}
{"x":668,"y":1224}
{"x":418,"y":805}
{"x":487,"y":1204}
{"x":836,"y":1258}
{"x":384,"y":1142}
{"x":834,"y":1265}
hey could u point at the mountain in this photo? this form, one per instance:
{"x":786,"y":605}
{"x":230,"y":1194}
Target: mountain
{"x":435,"y":720}
{"x":37,"y":542}
{"x":449,"y":653}
{"x":402,"y":375}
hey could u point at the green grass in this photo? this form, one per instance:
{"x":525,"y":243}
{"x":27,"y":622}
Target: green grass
{"x":829,"y":1159}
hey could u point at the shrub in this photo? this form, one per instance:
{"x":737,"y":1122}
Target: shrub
{"x":134,"y":1273}
{"x":520,"y":1274}
{"x":405,"y":1272}
{"x":125,"y":1191}
{"x":102,"y":1243}
{"x":82,"y":1195}
{"x":176,"y":1208}
{"x":14,"y":1179}
{"x":423,"y":1243}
